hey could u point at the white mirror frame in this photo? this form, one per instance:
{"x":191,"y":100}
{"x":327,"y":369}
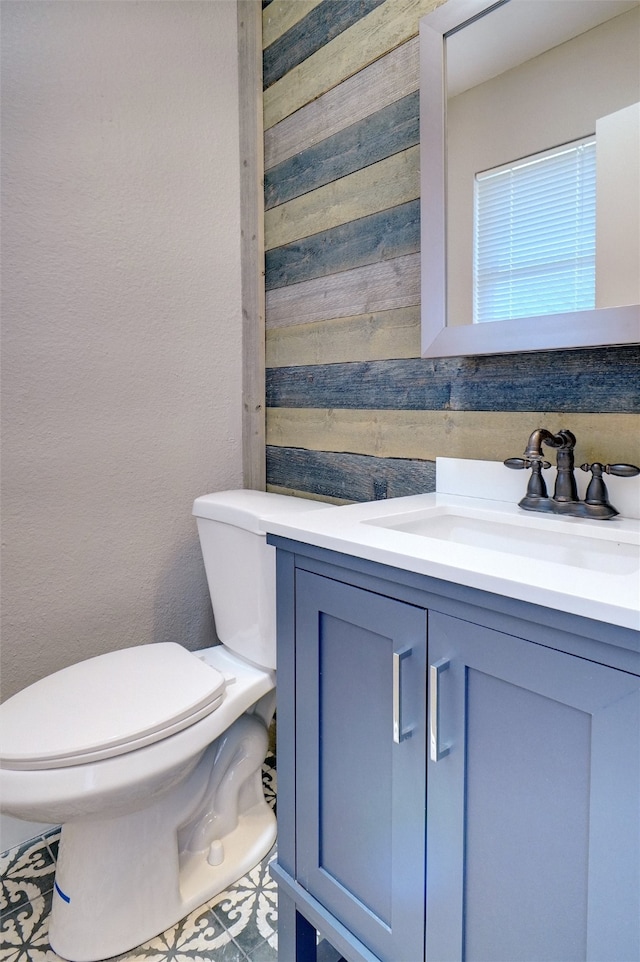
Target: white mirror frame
{"x":598,"y":327}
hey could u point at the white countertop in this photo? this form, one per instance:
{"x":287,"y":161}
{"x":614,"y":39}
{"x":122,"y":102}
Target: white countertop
{"x":595,"y":586}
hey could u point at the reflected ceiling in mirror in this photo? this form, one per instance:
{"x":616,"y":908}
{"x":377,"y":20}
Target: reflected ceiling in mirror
{"x":502,"y":82}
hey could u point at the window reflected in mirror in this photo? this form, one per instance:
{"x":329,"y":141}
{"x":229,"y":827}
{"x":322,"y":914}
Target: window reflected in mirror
{"x":509,"y":91}
{"x":561,"y":80}
{"x":535,"y":234}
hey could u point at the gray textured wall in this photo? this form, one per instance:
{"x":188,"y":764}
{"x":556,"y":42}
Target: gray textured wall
{"x":121,"y":321}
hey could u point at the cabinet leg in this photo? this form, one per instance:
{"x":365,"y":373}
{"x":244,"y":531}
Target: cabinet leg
{"x":296,"y":936}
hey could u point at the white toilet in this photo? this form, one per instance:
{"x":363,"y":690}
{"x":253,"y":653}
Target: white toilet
{"x":151,"y":757}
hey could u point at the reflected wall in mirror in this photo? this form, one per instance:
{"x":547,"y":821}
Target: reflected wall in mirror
{"x":502,"y":85}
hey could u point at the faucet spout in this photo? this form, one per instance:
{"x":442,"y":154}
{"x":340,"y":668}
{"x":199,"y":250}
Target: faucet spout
{"x":533,"y":450}
{"x":563,"y":440}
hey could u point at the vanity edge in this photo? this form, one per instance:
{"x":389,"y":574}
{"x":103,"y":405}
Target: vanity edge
{"x":594,"y":640}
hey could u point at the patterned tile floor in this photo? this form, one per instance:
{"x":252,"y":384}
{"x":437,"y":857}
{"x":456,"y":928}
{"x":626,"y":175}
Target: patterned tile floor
{"x":239,"y":925}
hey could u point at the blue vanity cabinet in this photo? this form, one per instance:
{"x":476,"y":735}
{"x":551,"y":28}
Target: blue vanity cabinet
{"x":360,"y":750}
{"x":458,"y":773}
{"x":533,"y":816}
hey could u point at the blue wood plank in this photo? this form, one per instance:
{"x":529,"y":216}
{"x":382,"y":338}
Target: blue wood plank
{"x":367,"y":240}
{"x":353,"y":477}
{"x":321,"y":25}
{"x":388,"y":131}
{"x":374,"y":385}
{"x":604,"y":380}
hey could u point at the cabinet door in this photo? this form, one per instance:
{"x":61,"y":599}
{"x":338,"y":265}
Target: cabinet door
{"x":360,"y":761}
{"x":533,"y":833}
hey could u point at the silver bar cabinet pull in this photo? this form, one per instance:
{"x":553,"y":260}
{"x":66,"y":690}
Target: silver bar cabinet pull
{"x":436,"y":751}
{"x":399,"y":734}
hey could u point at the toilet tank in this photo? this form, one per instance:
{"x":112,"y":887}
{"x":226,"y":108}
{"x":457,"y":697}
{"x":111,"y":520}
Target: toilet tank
{"x":240,"y":566}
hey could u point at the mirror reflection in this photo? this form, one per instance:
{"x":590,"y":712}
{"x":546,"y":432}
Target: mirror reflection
{"x":530,"y":186}
{"x":542,"y":184}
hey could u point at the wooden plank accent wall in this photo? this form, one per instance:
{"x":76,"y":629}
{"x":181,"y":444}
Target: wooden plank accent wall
{"x":387,"y":132}
{"x":370,"y":337}
{"x":278,"y":16}
{"x":377,"y":187}
{"x":382,"y":83}
{"x":370,"y":38}
{"x":384,"y":286}
{"x":353,"y":412}
{"x":424,"y":435}
{"x":367,"y":240}
{"x":319,"y":26}
{"x":601,"y":380}
{"x":348,"y":477}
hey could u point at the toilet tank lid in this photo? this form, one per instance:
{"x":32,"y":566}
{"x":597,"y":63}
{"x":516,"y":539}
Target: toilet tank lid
{"x":249,"y":509}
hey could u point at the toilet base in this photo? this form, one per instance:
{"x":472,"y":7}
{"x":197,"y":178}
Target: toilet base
{"x":90,"y":934}
{"x":121,"y":881}
{"x":244,"y":848}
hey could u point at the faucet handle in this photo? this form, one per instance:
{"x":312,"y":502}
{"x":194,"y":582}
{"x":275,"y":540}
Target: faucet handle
{"x":536,"y":489}
{"x":597,"y":490}
{"x":622,"y":470}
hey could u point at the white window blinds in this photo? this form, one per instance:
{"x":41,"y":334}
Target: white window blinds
{"x":535,"y":234}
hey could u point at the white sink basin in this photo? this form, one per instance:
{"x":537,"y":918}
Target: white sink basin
{"x":471,"y":532}
{"x":573,"y":543}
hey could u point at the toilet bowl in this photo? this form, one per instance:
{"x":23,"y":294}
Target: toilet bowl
{"x":150,"y":757}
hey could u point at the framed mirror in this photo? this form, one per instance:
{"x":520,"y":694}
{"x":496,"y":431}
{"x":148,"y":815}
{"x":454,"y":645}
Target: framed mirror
{"x":506,"y":86}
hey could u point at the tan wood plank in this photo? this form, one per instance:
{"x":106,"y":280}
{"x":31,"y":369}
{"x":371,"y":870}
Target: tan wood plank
{"x":279,"y":489}
{"x":376,"y":287}
{"x":392,"y":181}
{"x":385,"y":28}
{"x":252,"y":243}
{"x":365,"y":337}
{"x":281,"y":15}
{"x":482,"y":435}
{"x":378,"y":85}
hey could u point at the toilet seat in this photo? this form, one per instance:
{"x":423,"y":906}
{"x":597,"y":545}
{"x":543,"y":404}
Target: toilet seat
{"x":108,"y":705}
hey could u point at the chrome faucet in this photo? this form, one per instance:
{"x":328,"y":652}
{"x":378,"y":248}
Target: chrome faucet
{"x":565,"y":496}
